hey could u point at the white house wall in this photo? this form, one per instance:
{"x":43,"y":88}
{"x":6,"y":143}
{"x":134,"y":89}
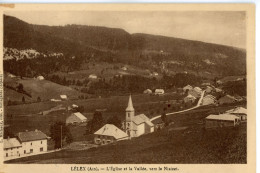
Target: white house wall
{"x":140,"y":129}
{"x":35,"y":145}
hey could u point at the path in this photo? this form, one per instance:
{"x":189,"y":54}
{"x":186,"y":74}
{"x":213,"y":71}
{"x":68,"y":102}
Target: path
{"x":198,"y":105}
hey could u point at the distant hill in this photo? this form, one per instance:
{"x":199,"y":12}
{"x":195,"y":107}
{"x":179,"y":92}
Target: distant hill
{"x":160,"y":53}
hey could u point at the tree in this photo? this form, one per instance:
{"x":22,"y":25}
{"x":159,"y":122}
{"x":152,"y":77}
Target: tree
{"x":95,"y":123}
{"x":20,"y":87}
{"x":114,"y":120}
{"x":164,"y":119}
{"x":60,"y":132}
{"x":38,"y":99}
{"x":23,"y":99}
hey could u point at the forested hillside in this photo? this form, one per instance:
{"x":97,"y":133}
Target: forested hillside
{"x":100,"y":44}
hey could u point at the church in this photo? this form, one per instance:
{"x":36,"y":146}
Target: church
{"x":137,"y":125}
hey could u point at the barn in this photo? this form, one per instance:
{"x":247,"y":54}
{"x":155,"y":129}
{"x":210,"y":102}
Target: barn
{"x":222,"y":120}
{"x":226,"y":99}
{"x":76,"y":118}
{"x":240,"y":112}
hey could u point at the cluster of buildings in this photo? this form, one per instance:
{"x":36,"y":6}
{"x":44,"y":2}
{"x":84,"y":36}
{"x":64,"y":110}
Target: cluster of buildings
{"x":156,"y":92}
{"x":230,"y":118}
{"x":133,"y":126}
{"x":210,"y":95}
{"x":25,"y":144}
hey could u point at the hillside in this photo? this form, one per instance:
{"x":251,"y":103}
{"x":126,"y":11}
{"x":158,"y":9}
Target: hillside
{"x":165,"y":54}
{"x":193,"y":145}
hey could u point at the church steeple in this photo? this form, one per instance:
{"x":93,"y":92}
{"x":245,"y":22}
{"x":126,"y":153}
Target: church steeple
{"x":130,"y":107}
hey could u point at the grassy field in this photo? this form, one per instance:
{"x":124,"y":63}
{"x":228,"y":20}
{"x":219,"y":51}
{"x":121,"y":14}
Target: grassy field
{"x":44,"y":89}
{"x":193,"y":145}
{"x":103,"y":70}
{"x":27,"y":116}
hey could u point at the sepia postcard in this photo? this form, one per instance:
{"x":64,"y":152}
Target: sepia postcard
{"x":127,"y":88}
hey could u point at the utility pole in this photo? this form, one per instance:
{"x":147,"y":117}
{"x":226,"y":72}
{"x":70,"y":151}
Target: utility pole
{"x":61,"y":136}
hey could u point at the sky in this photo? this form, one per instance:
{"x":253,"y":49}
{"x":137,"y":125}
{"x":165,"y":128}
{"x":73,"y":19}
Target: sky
{"x":227,"y":28}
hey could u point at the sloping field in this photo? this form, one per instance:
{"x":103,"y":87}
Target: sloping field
{"x":44,"y":89}
{"x":193,"y":145}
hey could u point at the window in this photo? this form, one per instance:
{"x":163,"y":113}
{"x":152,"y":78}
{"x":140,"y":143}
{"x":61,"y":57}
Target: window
{"x":6,"y":154}
{"x":128,"y":114}
{"x":128,"y":124}
{"x":31,"y":150}
{"x":24,"y":151}
{"x":41,"y":149}
{"x":31,"y":143}
{"x":41,"y":142}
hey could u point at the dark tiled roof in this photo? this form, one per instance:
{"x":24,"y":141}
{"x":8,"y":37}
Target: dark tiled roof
{"x":31,"y":136}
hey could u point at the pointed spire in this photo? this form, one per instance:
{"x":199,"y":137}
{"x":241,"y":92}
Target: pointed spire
{"x":130,"y":105}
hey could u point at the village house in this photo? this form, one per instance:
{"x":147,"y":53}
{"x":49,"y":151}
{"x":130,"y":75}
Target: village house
{"x":109,"y":133}
{"x":148,"y":91}
{"x":33,"y":142}
{"x":189,"y":99}
{"x":208,"y":100}
{"x":155,"y":74}
{"x":198,"y":90}
{"x":92,"y":76}
{"x":222,"y":120}
{"x":205,"y":84}
{"x":40,"y":78}
{"x":124,"y":68}
{"x":226,"y":99}
{"x":194,"y":93}
{"x":187,"y":87}
{"x":75,"y":118}
{"x":208,"y":89}
{"x":63,"y":97}
{"x":159,"y":92}
{"x":240,"y":112}
{"x":218,"y":90}
{"x":12,"y":147}
{"x":55,"y":100}
{"x":136,"y":125}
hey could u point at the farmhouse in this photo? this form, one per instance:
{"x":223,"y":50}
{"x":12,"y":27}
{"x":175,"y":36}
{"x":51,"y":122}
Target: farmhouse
{"x":218,"y":90}
{"x":222,"y":120}
{"x":155,"y":74}
{"x":226,"y":99}
{"x":136,"y":125}
{"x":187,"y":87}
{"x":76,"y":118}
{"x":208,"y":89}
{"x":40,"y":78}
{"x":208,"y":100}
{"x":194,"y":93}
{"x":124,"y":68}
{"x":109,"y":133}
{"x":240,"y":112}
{"x":33,"y":142}
{"x":63,"y":97}
{"x":12,"y":147}
{"x":159,"y":92}
{"x":198,"y":90}
{"x":189,"y":99}
{"x":92,"y":76}
{"x":148,"y":91}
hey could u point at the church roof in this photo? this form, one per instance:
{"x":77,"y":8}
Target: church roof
{"x":139,"y":119}
{"x":130,"y":105}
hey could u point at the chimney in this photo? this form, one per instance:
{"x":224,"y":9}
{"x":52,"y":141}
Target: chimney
{"x":26,"y":130}
{"x":36,"y":130}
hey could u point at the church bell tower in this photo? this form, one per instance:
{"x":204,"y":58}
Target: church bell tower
{"x":130,"y":113}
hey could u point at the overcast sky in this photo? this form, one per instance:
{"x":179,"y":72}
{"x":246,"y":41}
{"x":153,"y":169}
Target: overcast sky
{"x":228,"y":28}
